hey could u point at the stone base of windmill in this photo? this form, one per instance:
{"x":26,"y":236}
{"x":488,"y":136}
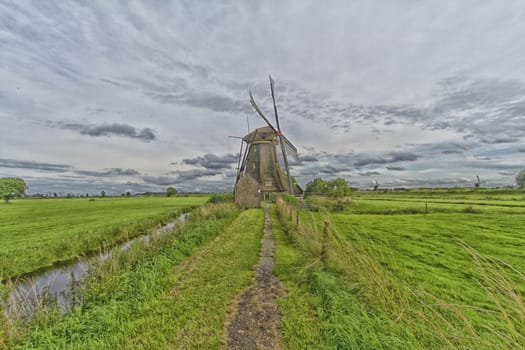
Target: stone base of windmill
{"x":247,"y":193}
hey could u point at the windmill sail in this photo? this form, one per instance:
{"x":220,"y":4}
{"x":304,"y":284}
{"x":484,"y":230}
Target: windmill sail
{"x":281,"y":137}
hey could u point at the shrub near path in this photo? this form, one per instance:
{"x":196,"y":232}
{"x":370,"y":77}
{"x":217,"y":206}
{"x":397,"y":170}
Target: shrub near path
{"x":164,"y":300}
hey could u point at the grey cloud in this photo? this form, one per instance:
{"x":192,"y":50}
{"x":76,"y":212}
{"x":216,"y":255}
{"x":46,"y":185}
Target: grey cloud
{"x":370,"y":173}
{"x":188,"y":175}
{"x":308,"y":158}
{"x":160,"y":180}
{"x":205,"y":100}
{"x":21,"y":164}
{"x":391,"y":157}
{"x":300,"y":160}
{"x":109,"y":81}
{"x":117,"y":129}
{"x":461,"y":92}
{"x":395,"y":168}
{"x":403,"y":156}
{"x":491,"y":110}
{"x":109,"y":172}
{"x":330,"y":170}
{"x":497,"y":140}
{"x":212,"y":161}
{"x":180,"y":176}
{"x":362,"y":161}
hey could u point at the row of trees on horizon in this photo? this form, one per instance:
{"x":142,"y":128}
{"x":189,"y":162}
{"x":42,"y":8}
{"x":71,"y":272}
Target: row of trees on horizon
{"x":13,"y":187}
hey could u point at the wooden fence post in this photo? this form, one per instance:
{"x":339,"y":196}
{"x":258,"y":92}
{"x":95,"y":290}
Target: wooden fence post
{"x":324,"y":249}
{"x":297,"y":218}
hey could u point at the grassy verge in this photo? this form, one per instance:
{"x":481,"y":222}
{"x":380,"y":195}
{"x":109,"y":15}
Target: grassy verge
{"x":169,"y":295}
{"x":300,"y":315}
{"x":405,"y":281}
{"x":41,"y":232}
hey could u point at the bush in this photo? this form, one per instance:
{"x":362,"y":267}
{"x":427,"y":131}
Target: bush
{"x":339,"y":206}
{"x":471,"y":210}
{"x":221,"y":197}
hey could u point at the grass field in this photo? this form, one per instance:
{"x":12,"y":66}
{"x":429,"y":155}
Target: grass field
{"x":170,"y":294}
{"x":394,"y":270}
{"x":39,"y":232}
{"x":395,"y":277}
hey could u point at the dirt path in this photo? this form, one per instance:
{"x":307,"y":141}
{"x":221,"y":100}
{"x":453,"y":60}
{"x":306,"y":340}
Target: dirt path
{"x":254,"y":323}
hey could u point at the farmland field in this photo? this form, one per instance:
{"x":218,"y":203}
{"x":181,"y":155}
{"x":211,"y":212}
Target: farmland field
{"x":402,"y":274}
{"x":39,"y":232}
{"x":167,"y":294}
{"x":380,"y":270}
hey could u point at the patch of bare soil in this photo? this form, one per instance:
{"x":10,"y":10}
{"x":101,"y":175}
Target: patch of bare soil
{"x":255,"y":320}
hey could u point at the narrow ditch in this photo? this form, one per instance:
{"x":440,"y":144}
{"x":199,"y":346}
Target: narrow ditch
{"x":255,"y":320}
{"x":55,"y":284}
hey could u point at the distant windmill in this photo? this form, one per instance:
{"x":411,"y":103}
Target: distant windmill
{"x":478,"y":182}
{"x":259,"y":172}
{"x":376,"y":185}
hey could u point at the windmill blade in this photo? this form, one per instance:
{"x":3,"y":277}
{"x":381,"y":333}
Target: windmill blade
{"x":239,"y":163}
{"x":290,"y":148}
{"x":274,"y":104}
{"x":287,"y":142}
{"x":258,"y":110}
{"x":282,"y":138}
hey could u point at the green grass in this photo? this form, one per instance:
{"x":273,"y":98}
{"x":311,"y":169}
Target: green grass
{"x":174,"y":296}
{"x":300,"y":315}
{"x":408,"y":280}
{"x":39,"y":232}
{"x":390,"y":274}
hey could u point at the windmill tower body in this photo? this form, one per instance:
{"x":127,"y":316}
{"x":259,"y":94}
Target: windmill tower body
{"x":260,"y":172}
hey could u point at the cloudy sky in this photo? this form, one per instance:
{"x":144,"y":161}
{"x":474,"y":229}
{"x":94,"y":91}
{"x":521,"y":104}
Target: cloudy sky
{"x":130,"y":95}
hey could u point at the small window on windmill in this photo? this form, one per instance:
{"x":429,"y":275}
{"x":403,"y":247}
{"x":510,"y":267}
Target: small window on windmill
{"x":254,"y":166}
{"x":268,"y":183}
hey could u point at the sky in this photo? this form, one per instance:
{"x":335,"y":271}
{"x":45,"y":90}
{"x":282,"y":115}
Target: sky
{"x":140,"y":95}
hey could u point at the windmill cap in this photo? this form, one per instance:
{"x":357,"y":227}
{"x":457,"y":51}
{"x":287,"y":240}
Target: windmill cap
{"x":261,"y":134}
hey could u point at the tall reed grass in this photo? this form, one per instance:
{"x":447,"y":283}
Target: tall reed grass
{"x":364,"y":305}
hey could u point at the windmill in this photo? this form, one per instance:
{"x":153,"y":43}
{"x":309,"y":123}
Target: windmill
{"x":478,"y":182}
{"x":259,"y":171}
{"x":376,"y":185}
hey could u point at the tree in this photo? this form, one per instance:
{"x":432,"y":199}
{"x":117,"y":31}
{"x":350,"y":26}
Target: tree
{"x":520,"y":179}
{"x":102,"y":194}
{"x":171,"y":191}
{"x":12,"y":187}
{"x":335,"y":188}
{"x":128,"y":194}
{"x":317,"y":185}
{"x":338,"y":188}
